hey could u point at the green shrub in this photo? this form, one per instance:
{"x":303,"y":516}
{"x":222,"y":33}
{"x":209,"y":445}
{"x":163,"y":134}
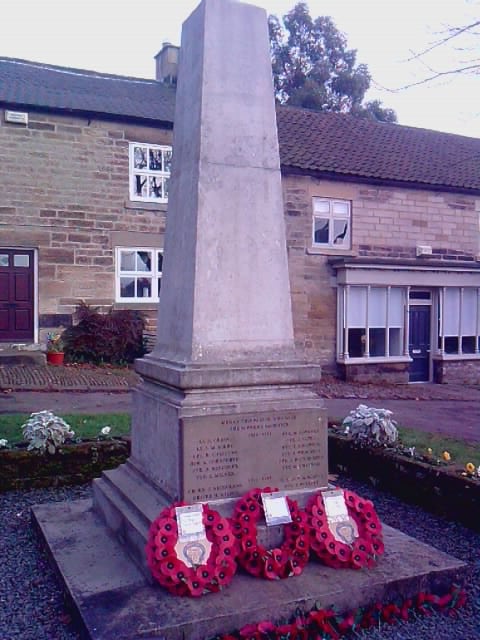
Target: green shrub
{"x":114,"y":337}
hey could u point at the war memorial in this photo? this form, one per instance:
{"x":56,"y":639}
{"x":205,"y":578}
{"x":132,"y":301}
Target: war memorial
{"x":226,"y":405}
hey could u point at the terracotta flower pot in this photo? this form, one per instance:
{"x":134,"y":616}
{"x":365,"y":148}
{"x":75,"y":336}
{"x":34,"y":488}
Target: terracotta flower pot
{"x":55,"y":358}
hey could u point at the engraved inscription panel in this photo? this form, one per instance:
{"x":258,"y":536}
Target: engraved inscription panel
{"x":224,"y":456}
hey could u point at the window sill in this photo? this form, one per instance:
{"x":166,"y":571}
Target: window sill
{"x":145,"y":206}
{"x":374,"y":360}
{"x":136,"y":306}
{"x":456,"y":356}
{"x":327,"y":251}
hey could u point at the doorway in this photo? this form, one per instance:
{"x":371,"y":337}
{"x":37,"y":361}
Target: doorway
{"x":419,"y":343}
{"x":16,"y":295}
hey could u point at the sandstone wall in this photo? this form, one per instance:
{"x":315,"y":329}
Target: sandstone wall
{"x":64,"y":191}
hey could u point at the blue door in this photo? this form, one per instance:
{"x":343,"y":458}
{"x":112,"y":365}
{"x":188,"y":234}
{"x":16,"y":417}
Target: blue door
{"x":419,"y":343}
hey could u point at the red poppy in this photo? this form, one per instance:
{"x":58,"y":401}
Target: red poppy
{"x":378,"y":546}
{"x":161,"y":553}
{"x":270,"y":570}
{"x":359,"y":559}
{"x":195,"y":587}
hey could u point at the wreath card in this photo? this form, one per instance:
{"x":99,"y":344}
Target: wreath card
{"x":276,"y":509}
{"x":342,"y":526}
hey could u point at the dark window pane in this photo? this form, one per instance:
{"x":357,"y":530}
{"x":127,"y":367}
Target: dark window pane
{"x":377,"y":342}
{"x":356,"y":343}
{"x":159,"y":284}
{"x":144,"y":288}
{"x":160,"y":262}
{"x":127,"y":287}
{"x":468,"y":344}
{"x":451,"y":345}
{"x":419,"y":295}
{"x":155,"y":160}
{"x":321,"y":230}
{"x":144,"y":261}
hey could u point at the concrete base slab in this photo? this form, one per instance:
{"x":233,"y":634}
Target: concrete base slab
{"x":114,"y":600}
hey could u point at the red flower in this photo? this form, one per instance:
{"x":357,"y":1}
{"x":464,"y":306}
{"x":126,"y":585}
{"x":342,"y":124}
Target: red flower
{"x":359,"y":559}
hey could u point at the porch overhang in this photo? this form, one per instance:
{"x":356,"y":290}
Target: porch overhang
{"x":413,"y":273}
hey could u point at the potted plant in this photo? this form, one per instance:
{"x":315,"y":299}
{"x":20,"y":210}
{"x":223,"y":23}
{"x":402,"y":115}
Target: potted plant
{"x":55,"y":352}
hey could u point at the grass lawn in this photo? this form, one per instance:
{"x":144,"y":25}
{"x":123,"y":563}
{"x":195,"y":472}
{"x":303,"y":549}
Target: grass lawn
{"x":460,"y":451}
{"x":88,"y":426}
{"x":85,"y":426}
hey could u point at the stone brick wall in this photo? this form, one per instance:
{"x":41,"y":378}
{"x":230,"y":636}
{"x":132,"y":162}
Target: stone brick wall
{"x":456,"y":372}
{"x":377,"y":373}
{"x":64,"y":191}
{"x":386,"y":222}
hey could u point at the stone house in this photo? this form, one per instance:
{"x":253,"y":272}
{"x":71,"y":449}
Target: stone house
{"x":382,"y":221}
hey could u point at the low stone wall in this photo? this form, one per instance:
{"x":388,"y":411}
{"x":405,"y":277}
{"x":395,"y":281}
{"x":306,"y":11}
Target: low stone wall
{"x":457,"y":371}
{"x":375,"y":372}
{"x":438,"y":489}
{"x":72,"y":464}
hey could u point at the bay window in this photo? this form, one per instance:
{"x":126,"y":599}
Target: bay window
{"x":459,"y":320}
{"x":372,"y":321}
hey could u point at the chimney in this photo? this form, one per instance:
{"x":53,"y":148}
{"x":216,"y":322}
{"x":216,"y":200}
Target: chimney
{"x":166,"y":63}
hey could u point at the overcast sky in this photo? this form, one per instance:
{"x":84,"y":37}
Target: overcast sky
{"x":120,"y":37}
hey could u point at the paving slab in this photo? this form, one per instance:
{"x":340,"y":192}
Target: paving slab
{"x":113,"y":600}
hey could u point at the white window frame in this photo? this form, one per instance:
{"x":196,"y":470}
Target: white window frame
{"x":162,"y":175}
{"x":343,"y":326}
{"x":155,"y":274}
{"x":457,"y":317}
{"x":332,"y":216}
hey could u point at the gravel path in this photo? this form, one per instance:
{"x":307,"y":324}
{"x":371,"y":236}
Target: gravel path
{"x":31,"y":605}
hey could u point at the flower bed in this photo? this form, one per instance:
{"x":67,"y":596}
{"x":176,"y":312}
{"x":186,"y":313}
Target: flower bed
{"x":74,"y":463}
{"x":439,"y":489}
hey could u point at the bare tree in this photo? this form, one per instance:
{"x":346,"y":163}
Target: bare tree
{"x":464,"y":43}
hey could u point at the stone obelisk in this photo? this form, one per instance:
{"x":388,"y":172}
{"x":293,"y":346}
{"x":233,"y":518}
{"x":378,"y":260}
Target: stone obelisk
{"x":225,"y":404}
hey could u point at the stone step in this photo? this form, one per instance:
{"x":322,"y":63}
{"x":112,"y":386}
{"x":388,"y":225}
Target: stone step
{"x":112,"y":601}
{"x":21,"y":353}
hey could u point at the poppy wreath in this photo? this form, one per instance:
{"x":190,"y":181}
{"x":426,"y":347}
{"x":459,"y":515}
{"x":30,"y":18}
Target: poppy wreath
{"x":283,"y":562}
{"x":176,"y":576}
{"x":365,"y":549}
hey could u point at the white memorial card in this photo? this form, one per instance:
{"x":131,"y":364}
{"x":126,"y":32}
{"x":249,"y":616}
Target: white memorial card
{"x":190,"y":523}
{"x":276,"y":509}
{"x":342,"y":526}
{"x":335,"y":505}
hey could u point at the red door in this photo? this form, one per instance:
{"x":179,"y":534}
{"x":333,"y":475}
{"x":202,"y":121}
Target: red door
{"x":16,"y":295}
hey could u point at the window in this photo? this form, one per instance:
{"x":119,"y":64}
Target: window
{"x":372,"y":321}
{"x":459,"y":320}
{"x":150,"y":166}
{"x":331,"y":223}
{"x":138,"y":274}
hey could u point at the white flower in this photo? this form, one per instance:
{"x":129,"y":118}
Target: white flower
{"x":105,"y":431}
{"x":3,"y":443}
